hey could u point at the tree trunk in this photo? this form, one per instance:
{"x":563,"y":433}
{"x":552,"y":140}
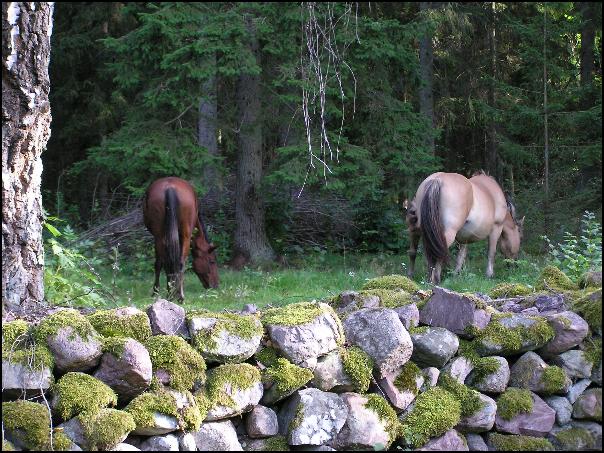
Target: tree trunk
{"x":251,"y":244}
{"x":587,"y":42}
{"x":545,"y":127}
{"x":26,"y":30}
{"x":426,"y":65}
{"x":492,"y":133}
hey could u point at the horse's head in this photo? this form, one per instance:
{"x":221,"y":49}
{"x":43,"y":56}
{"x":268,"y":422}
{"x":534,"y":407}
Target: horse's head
{"x":511,"y":237}
{"x":204,"y":262}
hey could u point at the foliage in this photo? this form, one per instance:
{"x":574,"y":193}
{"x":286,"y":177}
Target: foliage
{"x":576,"y":255}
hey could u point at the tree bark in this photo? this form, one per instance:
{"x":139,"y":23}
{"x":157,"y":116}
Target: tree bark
{"x":26,"y":30}
{"x":426,"y":65}
{"x":492,"y":133}
{"x":587,"y":42}
{"x":250,"y":242}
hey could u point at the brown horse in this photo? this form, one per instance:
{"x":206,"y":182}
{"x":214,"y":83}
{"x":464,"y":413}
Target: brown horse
{"x":449,"y":207}
{"x":171,"y":215}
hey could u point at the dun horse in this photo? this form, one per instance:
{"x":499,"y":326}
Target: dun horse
{"x":449,"y":207}
{"x":171,"y":215}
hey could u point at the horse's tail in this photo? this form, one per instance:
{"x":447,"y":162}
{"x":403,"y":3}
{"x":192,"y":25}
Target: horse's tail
{"x":171,"y":234}
{"x":433,"y":234}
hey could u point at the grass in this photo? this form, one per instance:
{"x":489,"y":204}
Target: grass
{"x":307,"y":277}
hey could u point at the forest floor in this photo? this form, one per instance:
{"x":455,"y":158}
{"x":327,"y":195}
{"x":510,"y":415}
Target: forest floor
{"x":314,"y":276}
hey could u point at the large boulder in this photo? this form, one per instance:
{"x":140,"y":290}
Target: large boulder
{"x":167,"y":318}
{"x":510,"y":334}
{"x":261,"y":422}
{"x":531,"y":372}
{"x":538,"y":420}
{"x":482,"y":420}
{"x":462,"y":314}
{"x":402,"y":390}
{"x":575,"y":363}
{"x":433,"y":346}
{"x":380,"y":333}
{"x":217,"y":436}
{"x":562,"y":407}
{"x":570,"y":330}
{"x":490,"y":380}
{"x":25,"y":374}
{"x":330,"y":374}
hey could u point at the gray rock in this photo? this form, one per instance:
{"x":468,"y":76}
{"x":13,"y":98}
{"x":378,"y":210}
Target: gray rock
{"x":431,"y":375}
{"x":351,"y":301}
{"x":449,"y":441}
{"x":261,"y":422}
{"x":186,"y":442}
{"x":548,"y":303}
{"x":74,"y":430}
{"x":167,"y":318}
{"x":537,"y":423}
{"x":459,"y":368}
{"x":398,"y":398}
{"x":574,"y":363}
{"x":409,"y":315}
{"x":476,"y":442}
{"x":125,"y":447}
{"x":482,"y":420}
{"x":22,"y":379}
{"x":434,"y":347}
{"x":330,"y":374}
{"x":304,"y":343}
{"x":265,"y":444}
{"x":228,"y":347}
{"x":312,"y":417}
{"x":162,"y":424}
{"x":217,"y":436}
{"x":577,"y":389}
{"x":363,"y":430}
{"x":241,"y":401}
{"x":72,"y":352}
{"x":579,"y":439}
{"x":562,"y":407}
{"x":455,"y":312}
{"x":128,"y":375}
{"x":595,"y":429}
{"x":380,"y":333}
{"x":495,"y":382}
{"x":486,"y":347}
{"x":570,"y":330}
{"x":529,"y":373}
{"x":169,"y":442}
{"x":589,"y":405}
{"x":596,"y":374}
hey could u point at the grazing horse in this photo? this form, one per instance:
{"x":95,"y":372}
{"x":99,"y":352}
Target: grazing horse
{"x":171,"y":215}
{"x":449,"y":207}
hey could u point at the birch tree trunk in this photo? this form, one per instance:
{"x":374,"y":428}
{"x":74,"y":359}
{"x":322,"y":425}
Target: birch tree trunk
{"x":26,"y":30}
{"x":251,"y":243}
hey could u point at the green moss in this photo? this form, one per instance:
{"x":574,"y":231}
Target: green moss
{"x":203,"y":402}
{"x":390,"y":298}
{"x":514,"y":401}
{"x":113,"y":323}
{"x":418,"y":330}
{"x":243,"y":326}
{"x":80,"y":392}
{"x":237,"y":376}
{"x":183,"y":363}
{"x":358,"y":365}
{"x":469,"y":399}
{"x":501,"y":442}
{"x":392,"y":282}
{"x":267,"y":356}
{"x":478,"y":302}
{"x":467,"y":349}
{"x":143,"y":406}
{"x":115,"y":345}
{"x":64,"y":318}
{"x":587,"y":280}
{"x":435,"y":412}
{"x":575,"y":439}
{"x":509,"y":290}
{"x":590,"y":308}
{"x":593,"y":351}
{"x":298,"y":418}
{"x":106,"y":428}
{"x":276,"y":443}
{"x":407,"y":378}
{"x":35,"y":356}
{"x":483,"y":367}
{"x":553,"y":278}
{"x":287,"y":376}
{"x":386,"y":414}
{"x":7,"y":446}
{"x":14,"y":334}
{"x":511,"y":339}
{"x":554,"y":379}
{"x":30,"y":424}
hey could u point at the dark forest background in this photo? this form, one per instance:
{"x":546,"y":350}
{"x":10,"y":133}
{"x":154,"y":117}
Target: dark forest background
{"x":213,"y":93}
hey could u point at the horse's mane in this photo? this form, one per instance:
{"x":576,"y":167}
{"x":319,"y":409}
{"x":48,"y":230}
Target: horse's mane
{"x":483,"y":173}
{"x":511,"y":207}
{"x":203,"y":226}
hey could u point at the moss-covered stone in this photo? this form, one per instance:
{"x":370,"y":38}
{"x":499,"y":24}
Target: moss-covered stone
{"x":419,"y":330}
{"x":287,"y":377}
{"x":276,"y":443}
{"x":574,"y":439}
{"x":358,"y":365}
{"x":386,"y":414}
{"x":267,"y":356}
{"x":509,"y":290}
{"x":514,"y":401}
{"x":501,"y":442}
{"x":511,"y":339}
{"x":553,"y":278}
{"x":593,"y":351}
{"x":51,"y":325}
{"x":29,"y":424}
{"x":239,"y":376}
{"x":589,"y":307}
{"x":183,"y":363}
{"x":14,"y":334}
{"x":407,"y":378}
{"x":483,"y":367}
{"x":390,"y":298}
{"x":435,"y":412}
{"x":118,"y":323}
{"x":554,"y":379}
{"x":79,"y":392}
{"x":298,"y":418}
{"x":36,"y":356}
{"x":469,"y":399}
{"x":7,"y":446}
{"x":105,"y":428}
{"x":115,"y":345}
{"x":392,"y":282}
{"x":190,"y":417}
{"x":242,"y":326}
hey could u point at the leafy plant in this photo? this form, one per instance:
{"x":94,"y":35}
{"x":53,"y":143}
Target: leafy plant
{"x":576,"y":255}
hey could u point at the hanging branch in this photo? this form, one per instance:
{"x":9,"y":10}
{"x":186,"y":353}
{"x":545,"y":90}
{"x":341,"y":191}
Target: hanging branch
{"x":322,"y":65}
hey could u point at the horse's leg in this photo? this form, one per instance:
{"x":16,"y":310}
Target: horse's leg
{"x":158,"y":265}
{"x":461,"y":257}
{"x":185,"y":244}
{"x":415,"y":236}
{"x":493,"y":239}
{"x":438,"y":266}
